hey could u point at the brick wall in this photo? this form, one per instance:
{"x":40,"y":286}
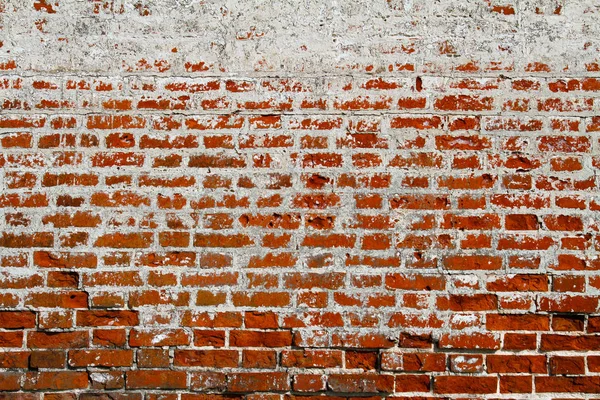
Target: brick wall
{"x":274,"y":200}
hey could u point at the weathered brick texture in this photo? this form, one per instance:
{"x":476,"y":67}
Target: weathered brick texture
{"x":271,"y":200}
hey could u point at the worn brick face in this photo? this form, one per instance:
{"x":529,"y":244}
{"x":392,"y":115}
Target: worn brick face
{"x":265,"y":200}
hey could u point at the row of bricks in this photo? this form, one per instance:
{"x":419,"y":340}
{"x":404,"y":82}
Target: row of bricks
{"x":469,"y":312}
{"x":209,"y":259}
{"x":478,"y":302}
{"x":132,"y":85}
{"x":252,"y":382}
{"x":307,"y":358}
{"x":314,"y":337}
{"x":379,"y":241}
{"x":317,"y":123}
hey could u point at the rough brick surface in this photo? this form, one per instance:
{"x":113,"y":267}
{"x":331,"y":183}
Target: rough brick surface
{"x":268,"y":200}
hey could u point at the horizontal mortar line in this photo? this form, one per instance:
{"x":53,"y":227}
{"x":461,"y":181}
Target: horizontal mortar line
{"x":288,"y":75}
{"x":382,"y":113}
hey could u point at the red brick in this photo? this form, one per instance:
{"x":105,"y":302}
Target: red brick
{"x":360,"y":383}
{"x":156,"y":379}
{"x":258,"y":382}
{"x":61,"y":380}
{"x":465,"y":384}
{"x":100,"y":358}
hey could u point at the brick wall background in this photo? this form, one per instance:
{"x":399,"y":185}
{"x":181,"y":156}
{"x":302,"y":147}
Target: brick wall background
{"x":274,"y":200}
